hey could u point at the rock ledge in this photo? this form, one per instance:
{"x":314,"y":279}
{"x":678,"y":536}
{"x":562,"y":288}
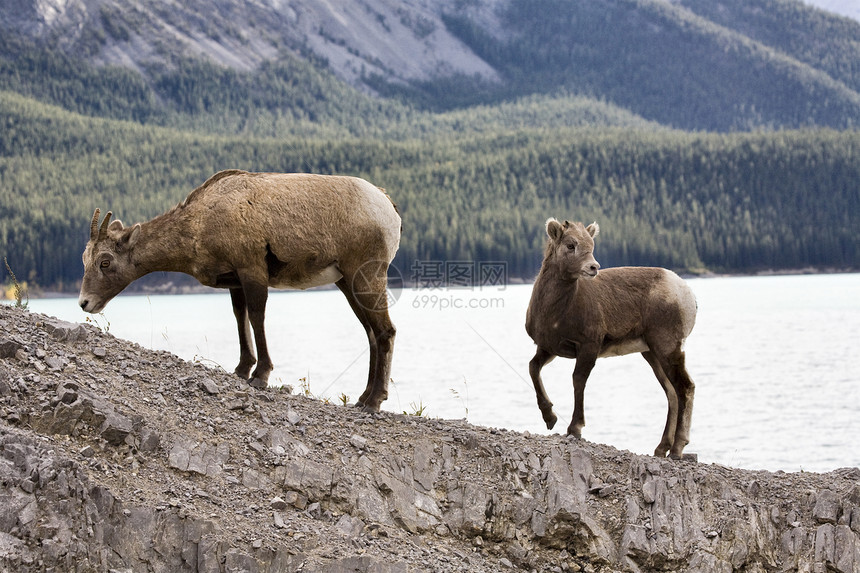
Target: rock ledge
{"x":118,"y":458}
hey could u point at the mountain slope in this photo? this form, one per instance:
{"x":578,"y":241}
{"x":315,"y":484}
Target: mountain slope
{"x":665,"y":63}
{"x":813,"y":37}
{"x":723,"y":65}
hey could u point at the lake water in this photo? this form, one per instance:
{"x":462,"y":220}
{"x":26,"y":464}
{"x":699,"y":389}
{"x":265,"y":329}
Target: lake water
{"x":775,"y":361}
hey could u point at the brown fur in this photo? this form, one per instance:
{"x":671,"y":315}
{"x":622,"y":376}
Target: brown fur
{"x":577,"y":312}
{"x":249,"y":231}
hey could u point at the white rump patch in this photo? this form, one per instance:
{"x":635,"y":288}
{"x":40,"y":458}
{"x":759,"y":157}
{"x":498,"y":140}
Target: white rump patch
{"x":678,"y":289}
{"x":380,"y":208}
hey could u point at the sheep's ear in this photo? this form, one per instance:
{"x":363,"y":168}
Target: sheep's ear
{"x":593,"y":229}
{"x":133,"y":235}
{"x":116,"y":225}
{"x":554,"y":229}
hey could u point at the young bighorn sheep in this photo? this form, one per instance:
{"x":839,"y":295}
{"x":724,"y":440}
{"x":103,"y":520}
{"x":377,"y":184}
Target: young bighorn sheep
{"x":248,"y":231}
{"x":577,"y":312}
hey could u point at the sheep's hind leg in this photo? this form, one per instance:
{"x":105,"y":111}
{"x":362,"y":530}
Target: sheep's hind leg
{"x":685,"y":390}
{"x":247,"y":359}
{"x":672,"y":417}
{"x":384,"y":333}
{"x":541,"y":359}
{"x":368,"y":297}
{"x":361,"y":314}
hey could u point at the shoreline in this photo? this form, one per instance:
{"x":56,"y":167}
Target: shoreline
{"x":169,"y":288}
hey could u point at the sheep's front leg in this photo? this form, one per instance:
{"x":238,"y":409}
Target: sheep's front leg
{"x":247,"y":359}
{"x":585,"y":361}
{"x":541,"y":359}
{"x":256,"y":295}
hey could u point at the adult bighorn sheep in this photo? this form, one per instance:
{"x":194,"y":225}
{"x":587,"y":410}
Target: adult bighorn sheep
{"x":577,"y":312}
{"x":248,"y":231}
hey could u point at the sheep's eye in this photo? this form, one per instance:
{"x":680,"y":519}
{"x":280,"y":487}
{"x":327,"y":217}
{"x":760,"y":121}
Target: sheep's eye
{"x":104,"y":264}
{"x":571,"y":246}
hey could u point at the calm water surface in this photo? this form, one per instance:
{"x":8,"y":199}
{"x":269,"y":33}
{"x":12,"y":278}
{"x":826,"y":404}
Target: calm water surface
{"x":775,"y":361}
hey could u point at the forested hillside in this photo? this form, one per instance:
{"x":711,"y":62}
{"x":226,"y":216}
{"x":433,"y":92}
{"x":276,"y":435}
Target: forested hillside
{"x":584,"y":117}
{"x":737,"y":202}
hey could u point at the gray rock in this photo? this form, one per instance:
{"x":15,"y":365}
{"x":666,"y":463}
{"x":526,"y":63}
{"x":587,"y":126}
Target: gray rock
{"x":150,"y":439}
{"x":425,"y":470}
{"x":311,"y":478}
{"x":115,"y":428}
{"x":293,"y":417}
{"x":9,"y":348}
{"x":278,"y":503}
{"x":66,"y":331}
{"x":349,"y":526}
{"x":358,"y":442}
{"x":201,"y":458}
{"x":362,"y":564}
{"x":279,"y":521}
{"x":210,"y":387}
{"x":826,"y":508}
{"x":54,"y":363}
{"x":296,"y":499}
{"x":256,"y":480}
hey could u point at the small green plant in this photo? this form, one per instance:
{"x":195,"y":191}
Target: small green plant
{"x":98,"y":324}
{"x":18,"y":291}
{"x":279,"y":386}
{"x":464,"y":398}
{"x":202,"y":360}
{"x":416,"y":409}
{"x":344,"y":399}
{"x":305,"y":386}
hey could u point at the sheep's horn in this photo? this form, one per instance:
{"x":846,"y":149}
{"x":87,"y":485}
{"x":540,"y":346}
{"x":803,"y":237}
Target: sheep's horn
{"x":104,"y":227}
{"x":94,"y":225}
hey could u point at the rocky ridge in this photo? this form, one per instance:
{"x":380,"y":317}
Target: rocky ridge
{"x":117,"y":458}
{"x":398,"y":39}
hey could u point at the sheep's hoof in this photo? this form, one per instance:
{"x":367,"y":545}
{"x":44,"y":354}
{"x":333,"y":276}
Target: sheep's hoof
{"x":243,"y":369}
{"x":258,"y":383}
{"x":367,"y":408}
{"x":574,"y":432}
{"x":685,"y":457}
{"x":550,"y":419}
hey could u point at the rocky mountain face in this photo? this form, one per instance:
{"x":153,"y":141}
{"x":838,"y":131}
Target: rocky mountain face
{"x":688,"y":65}
{"x":117,"y":458}
{"x":397,"y":39}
